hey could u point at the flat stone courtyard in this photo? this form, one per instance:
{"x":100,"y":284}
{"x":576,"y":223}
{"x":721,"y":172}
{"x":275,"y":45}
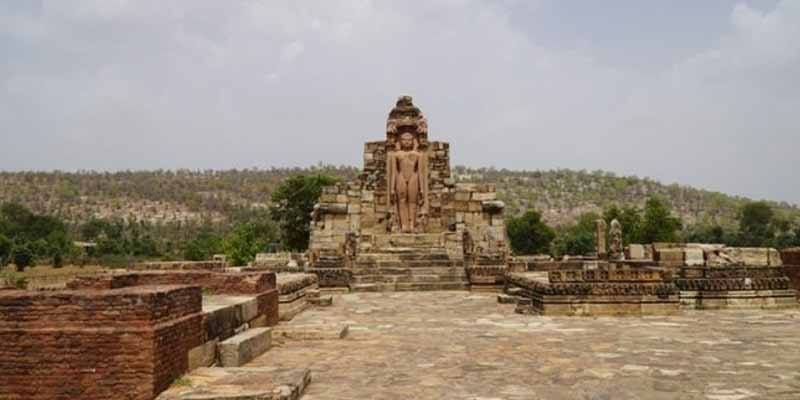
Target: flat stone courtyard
{"x":462,"y":345}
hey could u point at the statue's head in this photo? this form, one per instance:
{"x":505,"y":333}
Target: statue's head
{"x":407,"y":141}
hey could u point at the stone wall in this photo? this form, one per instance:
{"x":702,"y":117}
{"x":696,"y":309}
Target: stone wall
{"x":714,"y":255}
{"x":124,"y":343}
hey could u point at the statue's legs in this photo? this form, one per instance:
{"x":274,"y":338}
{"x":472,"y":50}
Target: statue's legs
{"x":402,"y":204}
{"x":413,"y":203}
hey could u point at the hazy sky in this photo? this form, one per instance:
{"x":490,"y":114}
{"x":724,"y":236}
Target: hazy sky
{"x":705,"y":93}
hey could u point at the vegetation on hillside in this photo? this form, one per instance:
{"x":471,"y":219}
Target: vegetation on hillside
{"x":758,"y":227}
{"x":184,"y":214}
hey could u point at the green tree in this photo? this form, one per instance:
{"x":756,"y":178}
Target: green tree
{"x":15,"y":220}
{"x":22,"y":256}
{"x":248,"y":239}
{"x":708,"y":234}
{"x":528,"y":234}
{"x":6,"y":246}
{"x":631,"y":220}
{"x":756,"y":224}
{"x":658,"y":224}
{"x":292,"y":203}
{"x":577,"y":239}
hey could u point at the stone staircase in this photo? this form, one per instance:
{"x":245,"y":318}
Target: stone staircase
{"x":407,"y":263}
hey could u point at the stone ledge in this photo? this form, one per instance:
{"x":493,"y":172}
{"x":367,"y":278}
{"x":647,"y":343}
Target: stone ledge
{"x":242,"y":348}
{"x":311,"y":332}
{"x":240,"y":384}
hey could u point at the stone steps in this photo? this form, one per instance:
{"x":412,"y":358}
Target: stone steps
{"x":407,"y":264}
{"x":398,"y":262}
{"x":406,"y":278}
{"x":454,"y":270}
{"x":409,"y":286}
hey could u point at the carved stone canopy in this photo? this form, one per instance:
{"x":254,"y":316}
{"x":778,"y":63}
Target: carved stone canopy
{"x":406,"y":117}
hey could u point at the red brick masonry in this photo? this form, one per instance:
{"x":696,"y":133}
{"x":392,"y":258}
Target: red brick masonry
{"x":791,"y":264}
{"x":128,"y":343}
{"x":122,"y":336}
{"x":215,"y":282}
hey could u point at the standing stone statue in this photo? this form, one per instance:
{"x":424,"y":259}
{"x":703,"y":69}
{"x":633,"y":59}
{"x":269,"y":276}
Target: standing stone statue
{"x":615,"y":251}
{"x":600,"y":238}
{"x":408,"y":182}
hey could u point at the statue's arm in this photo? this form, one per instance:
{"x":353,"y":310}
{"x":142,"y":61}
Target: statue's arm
{"x":391,"y":175}
{"x":423,"y":179}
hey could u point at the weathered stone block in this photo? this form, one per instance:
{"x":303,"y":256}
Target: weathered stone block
{"x":484,"y":196}
{"x":694,"y":257}
{"x":670,"y":256}
{"x":636,"y":252}
{"x":242,"y":348}
{"x":204,"y":355}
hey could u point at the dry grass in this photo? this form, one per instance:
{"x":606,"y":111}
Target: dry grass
{"x":45,"y":276}
{"x":47,"y":270}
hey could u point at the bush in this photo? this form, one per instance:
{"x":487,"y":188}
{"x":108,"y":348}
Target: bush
{"x":58,"y":260}
{"x":203,"y":247}
{"x":248,"y":239}
{"x":22,"y":257}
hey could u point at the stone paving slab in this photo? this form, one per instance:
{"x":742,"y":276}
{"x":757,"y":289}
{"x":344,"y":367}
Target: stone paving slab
{"x":461,"y":345}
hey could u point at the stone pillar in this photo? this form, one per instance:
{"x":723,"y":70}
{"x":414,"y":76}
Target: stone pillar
{"x":615,"y":249}
{"x":600,"y":238}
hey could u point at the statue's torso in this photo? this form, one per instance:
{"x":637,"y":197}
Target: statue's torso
{"x":408,"y":164}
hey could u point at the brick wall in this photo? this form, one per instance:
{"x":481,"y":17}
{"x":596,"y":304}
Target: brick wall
{"x":791,"y":256}
{"x":128,"y":343}
{"x":181,"y":265}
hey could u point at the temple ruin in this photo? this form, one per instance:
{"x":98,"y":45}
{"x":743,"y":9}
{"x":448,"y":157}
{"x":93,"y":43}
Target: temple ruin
{"x":205,"y":330}
{"x":405,"y":224}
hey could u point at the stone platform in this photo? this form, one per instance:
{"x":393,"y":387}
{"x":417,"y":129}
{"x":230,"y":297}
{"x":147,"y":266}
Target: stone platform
{"x":644,"y":290}
{"x":736,"y":287}
{"x":595,"y":293}
{"x":461,"y":345}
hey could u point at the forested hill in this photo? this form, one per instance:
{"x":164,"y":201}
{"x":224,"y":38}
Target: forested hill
{"x":167,"y":197}
{"x":562,"y":195}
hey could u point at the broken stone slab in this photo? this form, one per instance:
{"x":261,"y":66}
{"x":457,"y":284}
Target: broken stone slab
{"x":493,"y":206}
{"x":240,"y":384}
{"x":311,"y":332}
{"x":242,"y":348}
{"x":332,"y":208}
{"x":506,"y":299}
